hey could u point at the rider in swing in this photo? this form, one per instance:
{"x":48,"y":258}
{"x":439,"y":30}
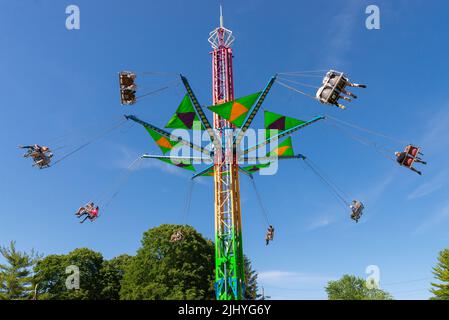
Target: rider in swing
{"x":269,"y":235}
{"x":89,"y":211}
{"x":406,"y":159}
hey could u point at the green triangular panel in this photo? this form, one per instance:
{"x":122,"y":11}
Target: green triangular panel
{"x":284,"y":149}
{"x":180,"y":163}
{"x":185,"y":116}
{"x":236,"y":111}
{"x":164,"y":143}
{"x":274,"y":121}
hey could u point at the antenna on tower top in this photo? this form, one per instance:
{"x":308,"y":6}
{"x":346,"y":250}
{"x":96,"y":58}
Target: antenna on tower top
{"x":221,"y":16}
{"x":221,"y":37}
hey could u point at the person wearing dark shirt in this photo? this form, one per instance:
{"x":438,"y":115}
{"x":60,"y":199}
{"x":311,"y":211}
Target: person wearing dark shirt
{"x":401,"y":158}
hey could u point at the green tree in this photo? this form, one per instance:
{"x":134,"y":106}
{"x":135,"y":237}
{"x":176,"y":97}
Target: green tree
{"x":50,"y":276}
{"x":165,"y":270}
{"x":250,"y":281}
{"x":112,"y":274}
{"x":354,"y":288}
{"x":441,"y":272}
{"x":16,"y":275}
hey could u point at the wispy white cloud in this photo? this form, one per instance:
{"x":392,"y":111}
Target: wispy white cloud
{"x":341,"y":31}
{"x":436,"y":183}
{"x":321,"y":221}
{"x":442,"y":215}
{"x":374,"y":193}
{"x":436,"y":135}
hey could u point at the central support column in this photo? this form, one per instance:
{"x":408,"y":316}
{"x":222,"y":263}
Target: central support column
{"x":229,"y":262}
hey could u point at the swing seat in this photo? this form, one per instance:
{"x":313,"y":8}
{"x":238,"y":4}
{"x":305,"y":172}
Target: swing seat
{"x":177,"y":236}
{"x":408,"y":162}
{"x":127,"y":87}
{"x":412,"y":150}
{"x":357,"y":210}
{"x":43,"y":161}
{"x":127,"y":79}
{"x":128,"y":96}
{"x":336,"y":80}
{"x":333,"y":84}
{"x":328,"y":95}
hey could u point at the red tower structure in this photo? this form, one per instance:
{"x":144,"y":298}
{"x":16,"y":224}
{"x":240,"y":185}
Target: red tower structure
{"x":229,"y":263}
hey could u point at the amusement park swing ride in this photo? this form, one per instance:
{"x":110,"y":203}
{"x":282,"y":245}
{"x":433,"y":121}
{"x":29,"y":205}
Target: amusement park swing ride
{"x":232,"y":117}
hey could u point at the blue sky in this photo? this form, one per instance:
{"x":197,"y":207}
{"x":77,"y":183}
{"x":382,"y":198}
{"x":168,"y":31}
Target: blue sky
{"x":60,"y":87}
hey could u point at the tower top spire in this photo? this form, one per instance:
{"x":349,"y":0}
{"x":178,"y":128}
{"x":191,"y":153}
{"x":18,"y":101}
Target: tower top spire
{"x":221,"y":37}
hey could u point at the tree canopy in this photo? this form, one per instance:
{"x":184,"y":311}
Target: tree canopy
{"x":441,"y":272}
{"x":354,"y":288}
{"x":16,"y":281}
{"x":161,"y":269}
{"x":51,"y":275}
{"x":167,"y":270}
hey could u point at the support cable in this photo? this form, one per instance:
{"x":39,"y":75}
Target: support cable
{"x":165,"y":87}
{"x":188,"y":201}
{"x":101,"y":135}
{"x":366,"y":130}
{"x":259,"y":200}
{"x":296,"y":90}
{"x":300,"y":83}
{"x":123,"y":179}
{"x":335,"y":190}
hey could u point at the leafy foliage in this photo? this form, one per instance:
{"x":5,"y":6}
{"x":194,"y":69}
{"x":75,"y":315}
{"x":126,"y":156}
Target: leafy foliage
{"x":51,"y":275}
{"x":16,"y":281}
{"x":251,"y":281}
{"x":164,"y":270}
{"x":441,"y":272}
{"x":160,"y":270}
{"x":354,"y":288}
{"x":111,"y":275}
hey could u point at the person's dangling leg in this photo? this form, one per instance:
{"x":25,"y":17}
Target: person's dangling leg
{"x":80,"y":210}
{"x":340,"y":106}
{"x":420,"y":161}
{"x":357,"y":85}
{"x":349,"y":93}
{"x":417,"y":171}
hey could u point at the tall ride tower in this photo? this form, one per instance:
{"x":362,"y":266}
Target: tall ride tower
{"x":229,"y":263}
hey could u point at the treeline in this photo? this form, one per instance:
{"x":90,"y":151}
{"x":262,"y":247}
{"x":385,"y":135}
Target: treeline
{"x":161,"y":269}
